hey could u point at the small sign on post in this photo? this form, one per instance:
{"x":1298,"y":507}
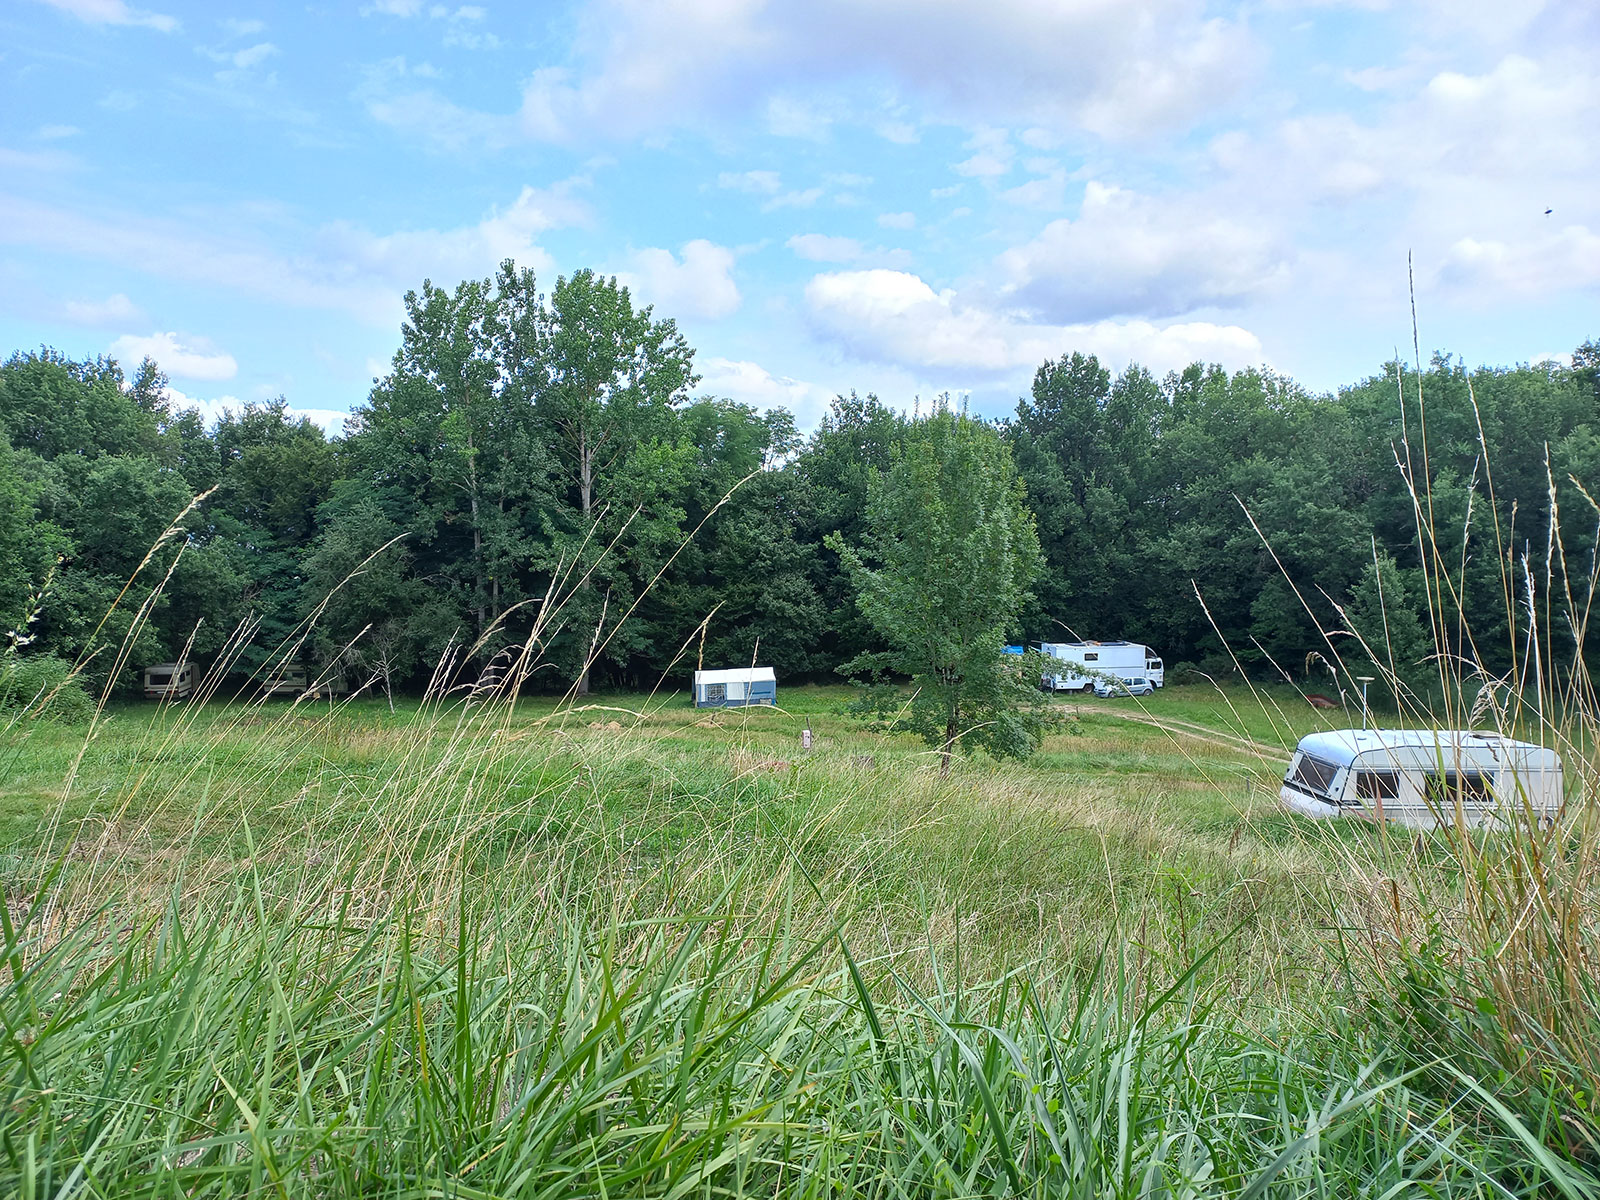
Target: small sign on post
{"x":805,"y":737}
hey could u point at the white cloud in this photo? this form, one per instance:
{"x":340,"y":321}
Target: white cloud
{"x":38,"y":160}
{"x":1047,"y":193}
{"x":176,"y":355}
{"x":895,"y":318}
{"x":993,"y":155}
{"x":821,"y":247}
{"x":243,"y":28}
{"x":1564,"y":258}
{"x":638,"y":66}
{"x":393,"y":98}
{"x":1128,"y":253}
{"x":898,"y":220}
{"x":243,"y":60}
{"x":339,"y":266}
{"x":750,"y":383}
{"x":793,"y":199}
{"x":113,"y":310}
{"x":698,"y":283}
{"x":114,"y":12}
{"x":212,"y":411}
{"x":756,"y":183}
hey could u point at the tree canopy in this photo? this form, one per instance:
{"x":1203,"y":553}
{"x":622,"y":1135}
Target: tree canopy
{"x":542,"y":465}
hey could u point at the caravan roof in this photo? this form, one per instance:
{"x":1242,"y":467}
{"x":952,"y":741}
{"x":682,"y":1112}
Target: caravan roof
{"x":736,"y":675}
{"x":1340,"y":746}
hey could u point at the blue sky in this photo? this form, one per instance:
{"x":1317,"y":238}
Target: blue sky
{"x":900,"y":196}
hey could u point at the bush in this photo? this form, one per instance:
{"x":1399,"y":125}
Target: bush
{"x":41,"y":686}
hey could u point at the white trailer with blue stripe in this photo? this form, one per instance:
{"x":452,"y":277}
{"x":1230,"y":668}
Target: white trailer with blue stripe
{"x":1423,"y":778}
{"x":735,"y":688}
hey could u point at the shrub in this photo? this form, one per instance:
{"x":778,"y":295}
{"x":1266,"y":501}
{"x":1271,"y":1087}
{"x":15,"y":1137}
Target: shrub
{"x":42,"y":686}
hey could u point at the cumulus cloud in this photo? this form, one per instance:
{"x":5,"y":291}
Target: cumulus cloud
{"x":894,"y":317}
{"x":1564,"y":258}
{"x":113,"y":310}
{"x":1128,"y":253}
{"x":114,"y":12}
{"x":187,"y":358}
{"x":898,"y":220}
{"x":696,"y":283}
{"x":638,"y":66}
{"x":750,"y":383}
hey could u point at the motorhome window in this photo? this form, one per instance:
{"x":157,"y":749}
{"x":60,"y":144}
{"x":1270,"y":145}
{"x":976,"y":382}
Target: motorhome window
{"x":1471,"y":786}
{"x":160,"y":677}
{"x":1314,"y":774}
{"x":1378,"y":785}
{"x":1095,"y":657}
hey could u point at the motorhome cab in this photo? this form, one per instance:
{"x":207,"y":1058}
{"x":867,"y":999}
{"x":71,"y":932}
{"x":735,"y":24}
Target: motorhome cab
{"x":168,"y":681}
{"x":1109,"y":658}
{"x":1422,"y":778}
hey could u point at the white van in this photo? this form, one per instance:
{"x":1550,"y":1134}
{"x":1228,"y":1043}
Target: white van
{"x":168,"y":681}
{"x":1422,"y":778}
{"x":1112,"y":658}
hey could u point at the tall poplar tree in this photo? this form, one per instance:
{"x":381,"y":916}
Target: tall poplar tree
{"x":949,"y":555}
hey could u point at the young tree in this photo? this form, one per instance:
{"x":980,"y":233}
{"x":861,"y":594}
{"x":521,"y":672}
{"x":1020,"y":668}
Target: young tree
{"x":950,"y":552}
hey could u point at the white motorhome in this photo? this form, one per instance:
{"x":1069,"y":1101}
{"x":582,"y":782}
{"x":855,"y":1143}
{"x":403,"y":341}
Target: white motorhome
{"x":1422,"y":778}
{"x":168,"y":681}
{"x":1111,"y":658}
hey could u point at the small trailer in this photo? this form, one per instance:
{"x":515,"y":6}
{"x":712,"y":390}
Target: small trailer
{"x":1423,"y":778}
{"x":169,"y":681}
{"x":735,"y":688}
{"x":1110,"y":658}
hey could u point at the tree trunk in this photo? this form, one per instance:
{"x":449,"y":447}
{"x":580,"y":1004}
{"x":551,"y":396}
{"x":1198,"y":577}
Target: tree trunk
{"x":951,"y":728}
{"x":477,"y":535}
{"x":586,"y":503}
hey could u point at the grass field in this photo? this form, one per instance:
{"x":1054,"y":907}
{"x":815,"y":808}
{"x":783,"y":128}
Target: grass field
{"x":629,"y":948}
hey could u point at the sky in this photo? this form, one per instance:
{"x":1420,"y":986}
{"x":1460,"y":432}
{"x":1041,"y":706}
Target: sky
{"x":905,"y":197}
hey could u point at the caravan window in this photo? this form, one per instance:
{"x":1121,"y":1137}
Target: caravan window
{"x":716,"y":692}
{"x":1313,"y":774}
{"x":1378,"y":785}
{"x":1092,"y":656}
{"x":1473,"y":787}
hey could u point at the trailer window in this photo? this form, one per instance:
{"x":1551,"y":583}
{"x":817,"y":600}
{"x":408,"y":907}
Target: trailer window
{"x":1472,"y":787}
{"x":1314,"y":775}
{"x":1378,"y":785}
{"x":1092,"y":657}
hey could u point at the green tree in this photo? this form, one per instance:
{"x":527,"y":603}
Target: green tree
{"x":950,"y":552}
{"x":611,"y":381}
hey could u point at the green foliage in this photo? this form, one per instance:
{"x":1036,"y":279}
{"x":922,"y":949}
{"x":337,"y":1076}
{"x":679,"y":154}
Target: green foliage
{"x":41,"y":686}
{"x":949,"y":554}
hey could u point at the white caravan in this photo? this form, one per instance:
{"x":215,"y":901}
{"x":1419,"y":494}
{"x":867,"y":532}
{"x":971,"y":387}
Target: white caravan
{"x":168,"y":681}
{"x":1422,"y":778}
{"x":1112,"y":658}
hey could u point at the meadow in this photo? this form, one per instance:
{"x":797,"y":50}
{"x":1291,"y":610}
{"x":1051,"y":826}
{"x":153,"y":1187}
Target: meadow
{"x":625,"y":947}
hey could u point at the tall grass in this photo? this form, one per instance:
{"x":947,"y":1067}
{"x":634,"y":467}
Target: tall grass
{"x":440,"y":967}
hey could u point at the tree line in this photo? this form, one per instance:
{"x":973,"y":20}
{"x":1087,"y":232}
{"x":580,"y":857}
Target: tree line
{"x":542,"y":463}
